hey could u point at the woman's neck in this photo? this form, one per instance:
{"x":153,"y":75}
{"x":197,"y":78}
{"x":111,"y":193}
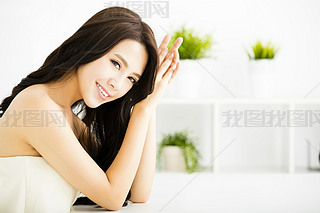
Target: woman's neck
{"x":65,"y":94}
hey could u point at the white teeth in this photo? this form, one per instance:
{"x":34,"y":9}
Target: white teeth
{"x":102,"y":91}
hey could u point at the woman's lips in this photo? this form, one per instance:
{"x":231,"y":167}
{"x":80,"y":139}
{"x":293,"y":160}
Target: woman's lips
{"x":105,"y":90}
{"x":101,"y":93}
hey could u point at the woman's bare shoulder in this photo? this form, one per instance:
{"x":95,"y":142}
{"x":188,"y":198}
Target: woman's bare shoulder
{"x":36,"y":97}
{"x":37,"y":90}
{"x":32,"y":95}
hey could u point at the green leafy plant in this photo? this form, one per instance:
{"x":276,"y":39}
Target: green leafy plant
{"x":261,"y":51}
{"x":193,"y":46}
{"x":190,"y":152}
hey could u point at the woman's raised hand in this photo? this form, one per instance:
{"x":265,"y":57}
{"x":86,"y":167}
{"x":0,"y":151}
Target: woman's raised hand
{"x":168,"y":69}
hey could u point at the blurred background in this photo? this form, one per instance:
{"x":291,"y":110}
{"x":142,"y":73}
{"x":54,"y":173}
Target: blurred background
{"x":225,"y":79}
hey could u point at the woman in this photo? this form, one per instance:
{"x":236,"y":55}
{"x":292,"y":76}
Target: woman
{"x":111,"y":71}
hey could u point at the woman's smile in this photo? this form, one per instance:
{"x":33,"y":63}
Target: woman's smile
{"x":102,"y":92}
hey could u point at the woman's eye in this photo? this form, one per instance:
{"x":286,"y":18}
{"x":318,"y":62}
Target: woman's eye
{"x":132,"y":80}
{"x":116,"y":64}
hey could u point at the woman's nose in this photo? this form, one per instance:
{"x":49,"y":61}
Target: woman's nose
{"x":116,"y":84}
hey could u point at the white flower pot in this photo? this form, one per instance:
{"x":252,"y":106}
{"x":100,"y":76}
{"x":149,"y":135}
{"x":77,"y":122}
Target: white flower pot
{"x":173,"y":159}
{"x":262,"y":75}
{"x":194,"y":79}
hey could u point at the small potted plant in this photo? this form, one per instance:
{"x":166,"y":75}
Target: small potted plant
{"x":261,"y":69}
{"x":179,"y":153}
{"x":194,"y":60}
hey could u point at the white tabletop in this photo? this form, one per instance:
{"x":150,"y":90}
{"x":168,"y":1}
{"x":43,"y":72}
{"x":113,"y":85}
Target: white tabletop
{"x":207,"y":192}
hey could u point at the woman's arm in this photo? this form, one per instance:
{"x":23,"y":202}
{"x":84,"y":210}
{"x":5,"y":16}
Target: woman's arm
{"x":123,"y":169}
{"x":142,"y":184}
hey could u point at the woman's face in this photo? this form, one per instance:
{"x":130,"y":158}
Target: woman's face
{"x":116,"y":72}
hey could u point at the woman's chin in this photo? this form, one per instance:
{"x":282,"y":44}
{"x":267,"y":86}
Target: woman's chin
{"x":92,"y":103}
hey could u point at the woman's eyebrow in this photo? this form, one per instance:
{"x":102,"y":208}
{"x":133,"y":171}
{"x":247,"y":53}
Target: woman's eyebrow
{"x":126,"y":64}
{"x":136,"y":74}
{"x":122,"y":59}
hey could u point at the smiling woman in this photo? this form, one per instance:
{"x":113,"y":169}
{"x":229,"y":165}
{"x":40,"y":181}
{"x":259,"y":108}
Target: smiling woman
{"x":112,"y":70}
{"x":114,"y":74}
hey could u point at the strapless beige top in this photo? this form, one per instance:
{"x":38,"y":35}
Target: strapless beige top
{"x":30,"y":184}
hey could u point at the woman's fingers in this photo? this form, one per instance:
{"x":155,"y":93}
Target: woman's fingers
{"x":162,"y":55}
{"x":168,"y":60}
{"x":173,"y":49}
{"x":175,"y":72}
{"x":163,"y":50}
{"x":175,"y":58}
{"x":164,"y":43}
{"x":176,"y":45}
{"x":165,"y":65}
{"x":171,"y":72}
{"x":167,"y":76}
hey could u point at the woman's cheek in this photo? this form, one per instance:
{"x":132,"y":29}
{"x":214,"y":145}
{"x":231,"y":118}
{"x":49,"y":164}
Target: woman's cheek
{"x":125,"y":90}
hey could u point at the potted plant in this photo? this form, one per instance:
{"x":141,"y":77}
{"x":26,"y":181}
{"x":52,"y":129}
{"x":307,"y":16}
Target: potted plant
{"x":194,"y":60}
{"x":261,"y":69}
{"x":179,"y":153}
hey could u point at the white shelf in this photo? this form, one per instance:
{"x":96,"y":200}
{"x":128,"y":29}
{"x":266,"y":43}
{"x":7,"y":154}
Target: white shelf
{"x":242,"y":101}
{"x":216,"y":106}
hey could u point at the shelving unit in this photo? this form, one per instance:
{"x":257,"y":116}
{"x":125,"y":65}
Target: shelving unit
{"x":216,"y":109}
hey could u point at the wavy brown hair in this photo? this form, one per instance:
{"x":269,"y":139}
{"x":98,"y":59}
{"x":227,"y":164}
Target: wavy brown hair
{"x":108,"y":122}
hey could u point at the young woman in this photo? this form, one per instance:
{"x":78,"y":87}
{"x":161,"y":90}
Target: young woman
{"x":112,"y":72}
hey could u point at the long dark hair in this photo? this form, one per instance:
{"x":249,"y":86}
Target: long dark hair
{"x":107,"y":123}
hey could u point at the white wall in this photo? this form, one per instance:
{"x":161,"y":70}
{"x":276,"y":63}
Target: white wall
{"x":30,"y":31}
